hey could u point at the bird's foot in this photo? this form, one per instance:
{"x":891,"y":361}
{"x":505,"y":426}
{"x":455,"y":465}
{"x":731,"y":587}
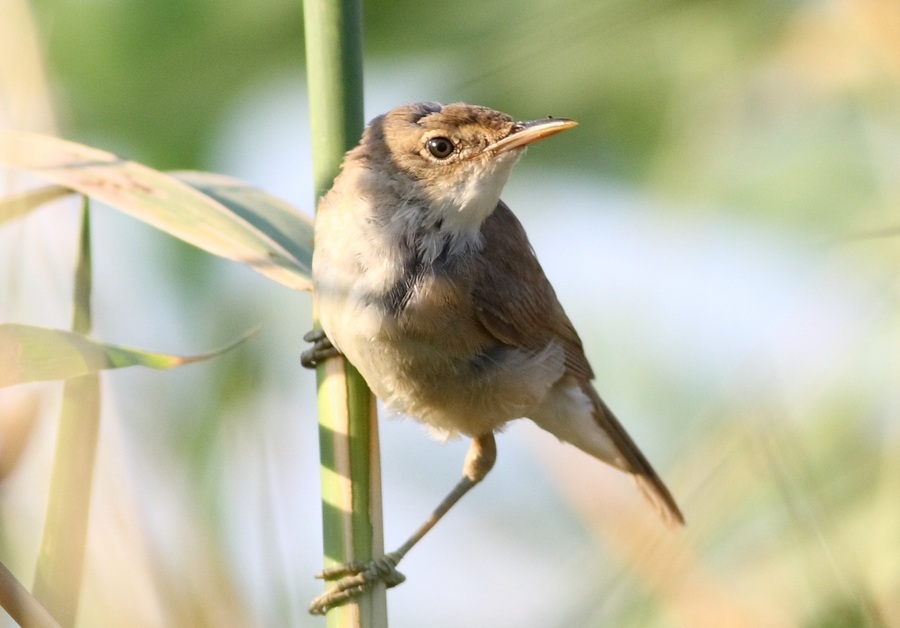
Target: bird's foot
{"x":321,"y":350}
{"x":354,"y":580}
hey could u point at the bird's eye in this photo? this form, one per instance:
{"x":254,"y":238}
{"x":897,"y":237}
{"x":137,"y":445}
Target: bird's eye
{"x":440,"y":147}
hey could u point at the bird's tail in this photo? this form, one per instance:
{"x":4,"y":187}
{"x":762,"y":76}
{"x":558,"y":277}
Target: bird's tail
{"x":634,"y":462}
{"x":574,"y":413}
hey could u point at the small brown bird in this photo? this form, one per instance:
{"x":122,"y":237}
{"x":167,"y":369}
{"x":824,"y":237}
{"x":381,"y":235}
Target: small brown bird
{"x":426,"y":282}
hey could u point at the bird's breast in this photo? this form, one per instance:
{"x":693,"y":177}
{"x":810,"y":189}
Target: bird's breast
{"x":401,"y":310}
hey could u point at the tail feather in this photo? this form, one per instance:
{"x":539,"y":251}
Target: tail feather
{"x":655,"y":492}
{"x":646,"y":479}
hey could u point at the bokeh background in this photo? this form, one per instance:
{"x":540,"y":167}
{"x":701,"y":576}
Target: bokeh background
{"x":723,"y":228}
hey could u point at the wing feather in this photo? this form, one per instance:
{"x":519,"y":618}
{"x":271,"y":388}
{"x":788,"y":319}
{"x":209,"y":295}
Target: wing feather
{"x":516,"y":304}
{"x":513,"y":298}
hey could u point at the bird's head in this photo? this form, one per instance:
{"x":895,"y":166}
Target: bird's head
{"x":451,"y":159}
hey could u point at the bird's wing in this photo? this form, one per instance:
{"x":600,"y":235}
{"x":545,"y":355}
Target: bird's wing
{"x":513,"y":298}
{"x":516,"y":304}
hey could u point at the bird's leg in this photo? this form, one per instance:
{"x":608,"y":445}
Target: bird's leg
{"x":321,"y":350}
{"x":356,"y":578}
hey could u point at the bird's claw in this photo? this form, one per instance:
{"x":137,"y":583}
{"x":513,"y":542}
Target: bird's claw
{"x":321,"y":350}
{"x":354,"y":579}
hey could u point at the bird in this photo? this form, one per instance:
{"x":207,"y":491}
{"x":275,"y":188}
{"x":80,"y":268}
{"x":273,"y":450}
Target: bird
{"x":426,"y":282}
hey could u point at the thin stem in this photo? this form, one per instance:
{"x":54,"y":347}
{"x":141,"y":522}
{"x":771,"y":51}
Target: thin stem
{"x":24,"y":609}
{"x":58,"y":577}
{"x":351,"y":484}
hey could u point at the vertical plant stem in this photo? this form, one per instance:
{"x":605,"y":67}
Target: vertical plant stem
{"x":348,"y":431}
{"x":334,"y":69}
{"x":60,"y":565}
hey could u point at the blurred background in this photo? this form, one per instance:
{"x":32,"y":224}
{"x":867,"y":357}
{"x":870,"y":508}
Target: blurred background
{"x":723,"y":228}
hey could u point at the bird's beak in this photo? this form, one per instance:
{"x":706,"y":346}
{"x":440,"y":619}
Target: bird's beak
{"x":524,"y":133}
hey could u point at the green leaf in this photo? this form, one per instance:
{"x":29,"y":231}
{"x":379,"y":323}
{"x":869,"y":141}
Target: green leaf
{"x":20,"y":205}
{"x":60,"y":565}
{"x":30,"y":354}
{"x":266,"y":213}
{"x":234,"y":221}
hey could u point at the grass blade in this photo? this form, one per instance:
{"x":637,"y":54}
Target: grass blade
{"x":161,"y":201}
{"x":60,"y":564}
{"x":20,"y":205}
{"x":24,"y":609}
{"x":267,"y":213}
{"x":29,"y":354}
{"x":57,"y":582}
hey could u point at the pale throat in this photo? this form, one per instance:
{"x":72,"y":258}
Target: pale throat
{"x":461,"y":203}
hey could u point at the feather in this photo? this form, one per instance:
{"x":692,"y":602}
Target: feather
{"x":516,"y":304}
